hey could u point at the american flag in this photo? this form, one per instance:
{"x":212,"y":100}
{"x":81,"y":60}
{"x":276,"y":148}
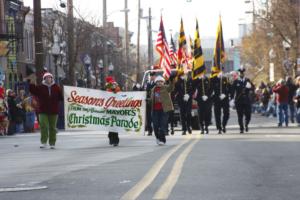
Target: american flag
{"x":173,"y":53}
{"x":163,"y":49}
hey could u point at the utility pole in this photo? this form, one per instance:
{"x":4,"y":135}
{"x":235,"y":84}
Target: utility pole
{"x":126,"y":43}
{"x":105,"y":63}
{"x":150,"y":46}
{"x":38,"y":40}
{"x":138,"y":42}
{"x":71,"y":43}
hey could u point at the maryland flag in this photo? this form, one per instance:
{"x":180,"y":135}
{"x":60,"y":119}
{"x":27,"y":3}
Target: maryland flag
{"x":190,"y":53}
{"x":162,"y":48}
{"x":219,"y":52}
{"x":182,"y":52}
{"x":198,"y":59}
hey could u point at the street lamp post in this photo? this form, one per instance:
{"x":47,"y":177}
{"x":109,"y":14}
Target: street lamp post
{"x":111,"y":68}
{"x":100,"y":66}
{"x":87,"y":63}
{"x":55,"y":52}
{"x":287,"y":63}
{"x":126,"y":41}
{"x":272,"y":55}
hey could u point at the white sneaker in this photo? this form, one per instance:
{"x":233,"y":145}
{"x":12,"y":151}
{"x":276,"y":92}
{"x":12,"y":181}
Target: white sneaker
{"x":157,"y":141}
{"x":52,"y":147}
{"x":43,"y":146}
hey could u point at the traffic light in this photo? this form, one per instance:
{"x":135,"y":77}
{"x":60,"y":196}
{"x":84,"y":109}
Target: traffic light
{"x":4,"y":49}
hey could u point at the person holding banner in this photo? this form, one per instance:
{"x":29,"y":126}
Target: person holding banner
{"x":49,"y":95}
{"x":112,"y":86}
{"x":161,"y":106}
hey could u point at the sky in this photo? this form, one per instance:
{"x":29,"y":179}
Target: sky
{"x":206,"y":11}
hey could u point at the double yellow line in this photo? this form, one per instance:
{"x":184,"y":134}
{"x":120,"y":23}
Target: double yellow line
{"x":165,"y":190}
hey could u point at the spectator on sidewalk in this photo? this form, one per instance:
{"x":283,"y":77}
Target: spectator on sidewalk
{"x":291,"y":104}
{"x":14,"y":114}
{"x":21,"y":111}
{"x":282,"y":100}
{"x":49,"y":95}
{"x":297,"y":102}
{"x":28,"y":105}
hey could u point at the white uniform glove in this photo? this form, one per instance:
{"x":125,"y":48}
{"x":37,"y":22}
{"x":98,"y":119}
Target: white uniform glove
{"x":186,"y":97}
{"x":204,"y":98}
{"x":248,"y":85}
{"x":231,"y":103}
{"x":222,"y":96}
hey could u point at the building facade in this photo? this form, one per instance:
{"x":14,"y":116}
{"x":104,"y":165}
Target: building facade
{"x":12,"y":16}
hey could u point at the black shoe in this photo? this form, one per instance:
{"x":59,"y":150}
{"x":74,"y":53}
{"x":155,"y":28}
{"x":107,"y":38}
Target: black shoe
{"x":220,"y":131}
{"x":172,"y":132}
{"x":206,"y":130}
{"x":246,"y":128}
{"x":202,"y":131}
{"x":149,"y":134}
{"x":190,"y":131}
{"x":115,"y":144}
{"x":184,"y":133}
{"x":241,"y":131}
{"x":279,"y":125}
{"x":224,"y":129}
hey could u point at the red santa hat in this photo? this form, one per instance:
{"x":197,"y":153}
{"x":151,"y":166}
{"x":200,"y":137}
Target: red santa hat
{"x":47,"y":74}
{"x":109,"y":79}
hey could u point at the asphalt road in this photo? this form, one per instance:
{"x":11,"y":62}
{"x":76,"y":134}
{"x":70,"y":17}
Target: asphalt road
{"x":263,"y":164}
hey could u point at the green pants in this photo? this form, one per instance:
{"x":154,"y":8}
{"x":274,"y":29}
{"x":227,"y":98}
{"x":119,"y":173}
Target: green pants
{"x":48,"y":128}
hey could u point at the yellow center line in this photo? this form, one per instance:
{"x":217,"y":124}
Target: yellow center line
{"x":165,"y":190}
{"x":136,"y":190}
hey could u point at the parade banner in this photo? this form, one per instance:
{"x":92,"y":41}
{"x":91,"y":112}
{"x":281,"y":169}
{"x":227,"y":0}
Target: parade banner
{"x":89,"y":109}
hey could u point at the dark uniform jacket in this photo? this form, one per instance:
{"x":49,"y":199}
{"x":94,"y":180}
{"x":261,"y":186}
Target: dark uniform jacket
{"x":183,"y":87}
{"x":203,"y":88}
{"x":216,"y":88}
{"x":240,"y":93}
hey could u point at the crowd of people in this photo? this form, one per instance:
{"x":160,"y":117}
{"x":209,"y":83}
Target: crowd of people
{"x":44,"y":103}
{"x":279,"y":100}
{"x":218,"y":94}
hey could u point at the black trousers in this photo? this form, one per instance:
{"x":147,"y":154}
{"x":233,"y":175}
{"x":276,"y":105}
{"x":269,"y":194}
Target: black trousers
{"x":243,"y":110}
{"x":185,"y":114}
{"x":113,"y":138}
{"x":171,"y":119}
{"x":218,"y":107}
{"x":149,"y":127}
{"x":204,"y":112}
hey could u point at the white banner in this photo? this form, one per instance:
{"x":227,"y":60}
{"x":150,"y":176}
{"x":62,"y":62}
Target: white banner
{"x":89,"y":109}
